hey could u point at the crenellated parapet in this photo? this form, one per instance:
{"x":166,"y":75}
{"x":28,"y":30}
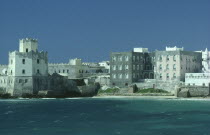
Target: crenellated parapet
{"x":58,"y":64}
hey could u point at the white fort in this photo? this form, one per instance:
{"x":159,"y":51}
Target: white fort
{"x":27,"y":69}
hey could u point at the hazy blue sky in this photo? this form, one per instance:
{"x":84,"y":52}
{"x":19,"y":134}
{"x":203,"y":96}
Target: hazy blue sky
{"x":91,"y":29}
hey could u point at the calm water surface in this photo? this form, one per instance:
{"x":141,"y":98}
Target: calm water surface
{"x":117,"y":116}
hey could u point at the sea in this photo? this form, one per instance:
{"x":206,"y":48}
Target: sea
{"x":105,"y":116}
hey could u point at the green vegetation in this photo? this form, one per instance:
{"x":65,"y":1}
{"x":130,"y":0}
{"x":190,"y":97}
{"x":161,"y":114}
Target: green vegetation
{"x":5,"y":96}
{"x":109,"y":90}
{"x":151,"y":90}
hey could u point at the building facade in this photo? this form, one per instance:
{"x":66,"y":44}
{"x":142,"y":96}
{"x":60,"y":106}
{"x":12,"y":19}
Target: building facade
{"x":172,"y":64}
{"x":206,"y":61}
{"x":202,"y":78}
{"x":197,"y":79}
{"x":27,"y":70}
{"x":75,"y":69}
{"x":129,"y":67}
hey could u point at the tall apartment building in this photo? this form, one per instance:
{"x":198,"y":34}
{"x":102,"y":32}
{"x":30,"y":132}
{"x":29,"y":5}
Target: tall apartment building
{"x":129,"y":67}
{"x":172,"y":64}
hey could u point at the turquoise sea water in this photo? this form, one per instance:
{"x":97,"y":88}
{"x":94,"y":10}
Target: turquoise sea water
{"x":103,"y":116}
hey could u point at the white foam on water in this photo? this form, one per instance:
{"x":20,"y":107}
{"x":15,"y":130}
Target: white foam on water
{"x":48,"y":98}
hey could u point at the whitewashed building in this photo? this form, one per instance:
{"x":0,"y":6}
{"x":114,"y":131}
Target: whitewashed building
{"x":198,"y":79}
{"x":202,"y":78}
{"x":27,"y":69}
{"x":172,"y":64}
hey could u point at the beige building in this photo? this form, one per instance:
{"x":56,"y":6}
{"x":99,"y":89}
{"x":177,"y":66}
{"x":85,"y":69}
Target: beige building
{"x":172,"y":64}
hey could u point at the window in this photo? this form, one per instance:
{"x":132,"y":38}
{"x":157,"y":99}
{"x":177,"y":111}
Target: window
{"x":120,"y":58}
{"x":23,"y":61}
{"x":114,"y":67}
{"x":167,"y":75}
{"x":167,"y":58}
{"x":120,"y":76}
{"x":113,"y":58}
{"x":141,"y":67}
{"x":167,"y":66}
{"x":63,"y":71}
{"x":23,"y":71}
{"x":120,"y":67}
{"x":160,"y":67}
{"x":26,"y":49}
{"x":134,"y":75}
{"x":114,"y":76}
{"x":174,"y":76}
{"x":126,"y":58}
{"x":126,"y":67}
{"x":68,"y":71}
{"x":174,"y":57}
{"x":37,"y":71}
{"x":20,"y":80}
{"x":26,"y":80}
{"x":11,"y":72}
{"x":126,"y":76}
{"x":133,"y":58}
{"x":174,"y":66}
{"x":134,"y":67}
{"x":147,"y":59}
{"x":160,"y":58}
{"x":137,"y":67}
{"x":137,"y":58}
{"x":37,"y":61}
{"x":11,"y":61}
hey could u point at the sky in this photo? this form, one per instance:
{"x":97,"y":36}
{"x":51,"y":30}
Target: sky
{"x":91,"y":29}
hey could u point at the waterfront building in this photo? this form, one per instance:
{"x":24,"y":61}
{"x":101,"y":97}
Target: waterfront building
{"x":197,"y":79}
{"x":76,"y":69}
{"x":172,"y":64}
{"x":202,"y":78}
{"x":27,"y":69}
{"x":129,"y":67}
{"x":206,"y":61}
{"x":106,"y":65}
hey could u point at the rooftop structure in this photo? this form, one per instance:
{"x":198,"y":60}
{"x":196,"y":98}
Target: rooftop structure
{"x":174,"y":48}
{"x":141,"y":50}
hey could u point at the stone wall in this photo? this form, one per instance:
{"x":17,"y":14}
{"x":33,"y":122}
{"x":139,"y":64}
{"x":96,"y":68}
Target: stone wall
{"x":62,"y":85}
{"x":193,"y":91}
{"x":153,"y":83}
